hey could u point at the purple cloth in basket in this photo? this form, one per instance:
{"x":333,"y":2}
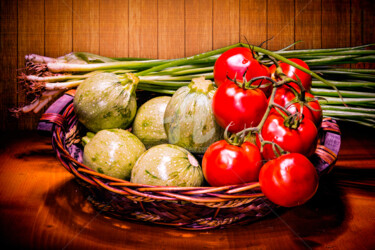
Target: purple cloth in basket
{"x":58,"y":107}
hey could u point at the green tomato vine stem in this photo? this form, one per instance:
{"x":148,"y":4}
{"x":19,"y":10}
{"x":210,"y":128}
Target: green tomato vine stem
{"x":283,"y":59}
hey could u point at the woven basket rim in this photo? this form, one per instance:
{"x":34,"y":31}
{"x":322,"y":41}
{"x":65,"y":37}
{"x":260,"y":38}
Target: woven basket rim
{"x":208,"y":207}
{"x":69,"y":117}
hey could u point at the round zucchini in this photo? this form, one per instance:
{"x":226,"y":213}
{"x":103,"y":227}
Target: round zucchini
{"x":106,"y":100}
{"x":112,"y":152}
{"x":167,"y":165}
{"x":148,"y":123}
{"x":188,"y":118}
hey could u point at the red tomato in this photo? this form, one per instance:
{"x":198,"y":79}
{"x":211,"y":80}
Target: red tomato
{"x":289,"y":180}
{"x":243,"y":107}
{"x":235,"y":62}
{"x":302,"y":140}
{"x":310,"y":108}
{"x":232,"y":63}
{"x":293,"y":72}
{"x":226,"y":164}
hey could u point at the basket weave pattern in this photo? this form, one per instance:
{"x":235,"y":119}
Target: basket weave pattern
{"x":194,"y":208}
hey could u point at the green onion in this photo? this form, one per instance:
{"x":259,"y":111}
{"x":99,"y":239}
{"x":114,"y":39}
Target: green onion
{"x":346,"y":84}
{"x":344,"y":93}
{"x":356,"y":101}
{"x":333,"y":84}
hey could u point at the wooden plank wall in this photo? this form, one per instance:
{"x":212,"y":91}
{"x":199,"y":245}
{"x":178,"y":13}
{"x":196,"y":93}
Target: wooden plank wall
{"x":166,"y":29}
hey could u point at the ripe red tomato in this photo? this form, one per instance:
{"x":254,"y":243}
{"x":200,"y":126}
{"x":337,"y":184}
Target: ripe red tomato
{"x":232,"y":63}
{"x":226,"y":164}
{"x":289,"y":180}
{"x":235,"y":62}
{"x":243,"y":107}
{"x":310,"y":108}
{"x":293,"y":72}
{"x":302,"y":140}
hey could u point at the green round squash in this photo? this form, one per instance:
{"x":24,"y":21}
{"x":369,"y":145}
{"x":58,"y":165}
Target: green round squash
{"x":167,"y":165}
{"x":112,"y":152}
{"x":106,"y":100}
{"x":148,"y":123}
{"x":188,"y":118}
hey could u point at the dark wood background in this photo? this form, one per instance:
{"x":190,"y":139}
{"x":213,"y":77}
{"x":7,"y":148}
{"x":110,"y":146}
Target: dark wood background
{"x":166,"y":29}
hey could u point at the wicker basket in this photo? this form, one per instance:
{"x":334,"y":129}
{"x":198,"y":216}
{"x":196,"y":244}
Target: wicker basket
{"x":194,"y":208}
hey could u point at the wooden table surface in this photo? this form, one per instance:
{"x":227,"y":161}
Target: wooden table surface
{"x":41,"y":207}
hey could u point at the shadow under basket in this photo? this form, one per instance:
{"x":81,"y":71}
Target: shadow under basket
{"x":193,"y":208}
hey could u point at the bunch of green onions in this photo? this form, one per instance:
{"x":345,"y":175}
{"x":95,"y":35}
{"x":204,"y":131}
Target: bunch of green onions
{"x":344,"y":93}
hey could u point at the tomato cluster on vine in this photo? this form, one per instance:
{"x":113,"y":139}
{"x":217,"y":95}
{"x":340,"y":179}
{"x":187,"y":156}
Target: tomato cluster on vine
{"x":271,"y":121}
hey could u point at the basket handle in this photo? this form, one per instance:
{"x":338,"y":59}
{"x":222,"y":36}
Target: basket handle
{"x":54,"y":114}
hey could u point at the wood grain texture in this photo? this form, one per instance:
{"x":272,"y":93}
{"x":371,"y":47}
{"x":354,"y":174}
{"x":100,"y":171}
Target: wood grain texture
{"x":361,"y":23}
{"x":42,"y":207}
{"x":35,"y":157}
{"x":143,"y":27}
{"x":114,"y":28}
{"x":368,"y":21}
{"x":30,"y":40}
{"x":280,"y":21}
{"x":171,"y":29}
{"x":58,"y":27}
{"x":167,"y":29}
{"x":198,"y":27}
{"x":226,"y":23}
{"x":253,"y":21}
{"x":8,"y":63}
{"x":308,"y":24}
{"x":335,"y":23}
{"x":367,"y":24}
{"x":86,"y":26}
{"x":356,"y":28}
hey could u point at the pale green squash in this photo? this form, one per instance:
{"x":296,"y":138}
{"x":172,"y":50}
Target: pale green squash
{"x":167,"y":165}
{"x":106,"y":100}
{"x":112,"y":152}
{"x":188,"y":118}
{"x":148,"y":123}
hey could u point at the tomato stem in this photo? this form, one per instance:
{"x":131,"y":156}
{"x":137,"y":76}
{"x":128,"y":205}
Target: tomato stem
{"x":282,"y":110}
{"x":293,"y":121}
{"x":277,"y":149}
{"x":270,"y":104}
{"x":258,"y":128}
{"x":283,"y":59}
{"x":234,"y":139}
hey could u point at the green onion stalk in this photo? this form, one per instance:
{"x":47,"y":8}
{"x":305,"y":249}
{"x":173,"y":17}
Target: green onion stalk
{"x":344,"y":93}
